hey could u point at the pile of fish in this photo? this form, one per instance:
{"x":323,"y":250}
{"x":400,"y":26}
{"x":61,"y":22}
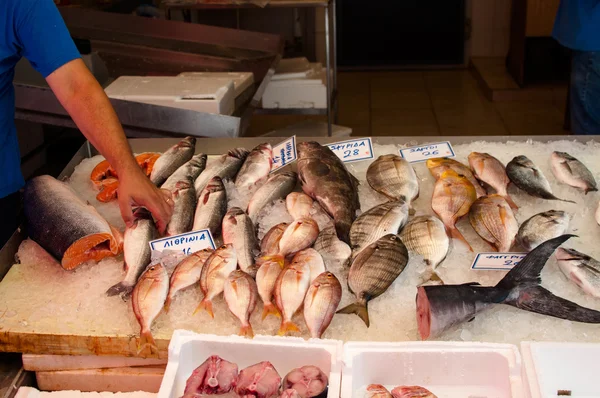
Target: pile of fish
{"x":379,"y":391}
{"x":217,"y":376}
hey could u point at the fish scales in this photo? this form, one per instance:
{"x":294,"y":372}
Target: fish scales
{"x":172,"y":159}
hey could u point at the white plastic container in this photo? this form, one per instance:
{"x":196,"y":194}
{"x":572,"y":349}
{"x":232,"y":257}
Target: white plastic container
{"x":241,"y":80}
{"x":197,"y":94}
{"x":188,"y":350}
{"x":310,"y":128}
{"x":447,"y":369}
{"x":550,"y":367}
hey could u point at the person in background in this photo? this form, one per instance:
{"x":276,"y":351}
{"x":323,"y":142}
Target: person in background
{"x":34,"y":29}
{"x":577,"y":27}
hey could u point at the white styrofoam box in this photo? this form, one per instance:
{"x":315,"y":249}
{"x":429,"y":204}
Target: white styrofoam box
{"x":292,"y":65}
{"x":447,"y":369}
{"x":188,"y":350}
{"x":241,"y":80}
{"x":30,"y":392}
{"x":550,"y":367}
{"x":310,"y":128}
{"x":197,"y":94}
{"x":296,"y":93}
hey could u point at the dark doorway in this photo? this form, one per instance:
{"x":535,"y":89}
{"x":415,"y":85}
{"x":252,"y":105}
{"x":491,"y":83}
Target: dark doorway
{"x":399,"y":33}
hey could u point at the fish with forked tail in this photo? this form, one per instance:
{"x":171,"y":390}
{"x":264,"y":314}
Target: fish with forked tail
{"x":540,"y":227}
{"x":492,"y":172}
{"x":571,"y":171}
{"x":148,"y":299}
{"x":492,"y":218}
{"x":394,"y":177}
{"x":437,"y":167}
{"x":441,"y":307}
{"x":529,"y":178}
{"x":226,"y":167}
{"x":580,"y":268}
{"x":172,"y":159}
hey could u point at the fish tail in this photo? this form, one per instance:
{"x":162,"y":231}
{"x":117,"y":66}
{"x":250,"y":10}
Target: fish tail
{"x":511,"y":202}
{"x":287,"y":327}
{"x":456,"y":234}
{"x":566,"y":200}
{"x":270,"y":309}
{"x":591,"y":189}
{"x":206,"y":305}
{"x":359,"y":309}
{"x":119,"y":288}
{"x":146,"y":340}
{"x":431,"y":276}
{"x":246,"y":331}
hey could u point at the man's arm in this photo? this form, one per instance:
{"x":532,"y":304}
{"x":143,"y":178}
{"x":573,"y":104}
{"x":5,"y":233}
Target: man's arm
{"x":85,"y":100}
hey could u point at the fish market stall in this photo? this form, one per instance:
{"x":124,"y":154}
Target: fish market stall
{"x":46,"y":309}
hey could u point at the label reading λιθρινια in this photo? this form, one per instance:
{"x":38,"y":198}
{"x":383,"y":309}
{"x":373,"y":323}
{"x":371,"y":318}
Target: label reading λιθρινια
{"x":353,"y":150}
{"x":497,"y":261}
{"x":284,"y":153}
{"x":421,"y":153}
{"x":189,"y":242}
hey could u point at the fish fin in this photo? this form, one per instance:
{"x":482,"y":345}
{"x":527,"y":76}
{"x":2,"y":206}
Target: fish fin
{"x":592,"y":189}
{"x":358,"y":309}
{"x":342,"y":229}
{"x":146,"y":340}
{"x":119,"y":288}
{"x":530,"y":267}
{"x":270,"y":309}
{"x":510,"y":202}
{"x":206,"y":305}
{"x":541,"y":301}
{"x":168,"y":303}
{"x":564,"y":200}
{"x":286,"y":327}
{"x":471,"y":320}
{"x":247,"y":331}
{"x":455,"y":234}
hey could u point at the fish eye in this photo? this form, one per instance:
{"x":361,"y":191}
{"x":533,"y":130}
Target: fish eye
{"x":152,"y":268}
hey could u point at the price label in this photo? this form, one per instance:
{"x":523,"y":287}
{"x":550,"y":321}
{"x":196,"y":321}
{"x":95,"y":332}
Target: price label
{"x":421,"y":153}
{"x":284,"y":153}
{"x":497,"y":261}
{"x":188,"y":242}
{"x":353,"y":150}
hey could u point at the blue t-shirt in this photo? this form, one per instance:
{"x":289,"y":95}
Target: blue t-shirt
{"x":577,"y":25}
{"x":33,"y":29}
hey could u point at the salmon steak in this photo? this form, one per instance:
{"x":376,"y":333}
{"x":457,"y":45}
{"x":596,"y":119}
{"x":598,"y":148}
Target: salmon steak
{"x":65,"y":226}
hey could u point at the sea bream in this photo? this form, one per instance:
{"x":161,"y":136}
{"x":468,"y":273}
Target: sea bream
{"x":278,"y":186}
{"x":299,"y":205}
{"x":137,"y":251}
{"x":226,"y":167}
{"x":440,"y":308}
{"x":571,"y":171}
{"x":187,"y":273}
{"x":269,"y":245}
{"x":438,"y":166}
{"x":541,"y":227}
{"x":299,"y":235}
{"x":324,"y":178}
{"x":335,"y":252}
{"x":528,"y":177}
{"x":492,"y":172}
{"x":290,"y":289}
{"x":172,"y":159}
{"x":211,"y":207}
{"x":148,"y":299}
{"x":214,"y":273}
{"x":314,"y":260}
{"x":493,"y":219}
{"x":241,"y":294}
{"x":394,"y":177}
{"x":65,"y":226}
{"x":373,"y":271}
{"x":321,"y":302}
{"x":239,"y":231}
{"x":581,"y":269}
{"x":188,"y":171}
{"x":256,"y":167}
{"x":266,"y":277}
{"x":184,"y":206}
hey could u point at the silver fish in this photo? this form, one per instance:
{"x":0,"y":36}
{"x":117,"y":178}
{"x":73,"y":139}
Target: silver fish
{"x":571,"y":171}
{"x":542,"y":227}
{"x":226,"y":167}
{"x":492,"y":218}
{"x":387,"y":218}
{"x":256,"y":167}
{"x":211,"y":207}
{"x":239,"y":231}
{"x":183,"y":208}
{"x":188,"y":171}
{"x":528,"y":177}
{"x":335,"y":252}
{"x":148,"y":299}
{"x":278,"y":186}
{"x":187,"y":273}
{"x":241,"y":294}
{"x":580,"y":268}
{"x":426,"y":236}
{"x":394,"y":177}
{"x":373,"y":271}
{"x":172,"y":159}
{"x":324,"y":178}
{"x":136,"y":251}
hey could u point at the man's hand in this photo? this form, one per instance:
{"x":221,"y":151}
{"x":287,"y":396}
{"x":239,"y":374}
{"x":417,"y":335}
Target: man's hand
{"x":84,"y":99}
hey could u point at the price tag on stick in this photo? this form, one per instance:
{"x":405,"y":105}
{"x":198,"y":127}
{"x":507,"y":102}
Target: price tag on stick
{"x":284,"y":153}
{"x":353,"y":150}
{"x":188,"y":242}
{"x":497,"y":261}
{"x":421,"y":153}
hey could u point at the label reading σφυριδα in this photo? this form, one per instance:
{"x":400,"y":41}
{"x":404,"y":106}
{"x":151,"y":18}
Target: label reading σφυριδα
{"x":353,"y":150}
{"x":497,"y":261}
{"x":189,"y":242}
{"x":423,"y":152}
{"x":284,"y":153}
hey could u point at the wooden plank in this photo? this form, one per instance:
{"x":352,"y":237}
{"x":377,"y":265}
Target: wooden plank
{"x":540,"y":17}
{"x":146,"y":379}
{"x":37,"y":363}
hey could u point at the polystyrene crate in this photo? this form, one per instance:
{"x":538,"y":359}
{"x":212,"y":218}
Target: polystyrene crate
{"x":550,"y":367}
{"x":447,"y":369}
{"x":188,"y":350}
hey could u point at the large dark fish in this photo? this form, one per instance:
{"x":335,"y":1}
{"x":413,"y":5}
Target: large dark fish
{"x":65,"y":226}
{"x":441,"y":307}
{"x":172,"y":159}
{"x":528,"y":177}
{"x":324,"y":177}
{"x":374,"y":269}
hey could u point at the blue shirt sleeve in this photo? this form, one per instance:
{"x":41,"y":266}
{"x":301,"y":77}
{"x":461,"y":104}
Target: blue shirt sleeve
{"x":43,"y":35}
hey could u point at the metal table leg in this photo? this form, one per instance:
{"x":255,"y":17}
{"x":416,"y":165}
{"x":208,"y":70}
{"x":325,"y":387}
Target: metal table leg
{"x":328,"y":71}
{"x":334,"y":52}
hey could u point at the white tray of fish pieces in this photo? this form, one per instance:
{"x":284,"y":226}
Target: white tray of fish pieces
{"x":264,"y":367}
{"x":431,"y":369}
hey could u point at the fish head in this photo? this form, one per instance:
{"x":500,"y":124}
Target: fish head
{"x":215,"y":184}
{"x":239,"y":153}
{"x":265,"y":149}
{"x":187,"y":142}
{"x":307,"y":147}
{"x":199,"y":160}
{"x":523,"y":161}
{"x":561,"y":156}
{"x":154,"y":271}
{"x":233,"y":213}
{"x":556,"y":216}
{"x":326,"y":279}
{"x":571,"y":255}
